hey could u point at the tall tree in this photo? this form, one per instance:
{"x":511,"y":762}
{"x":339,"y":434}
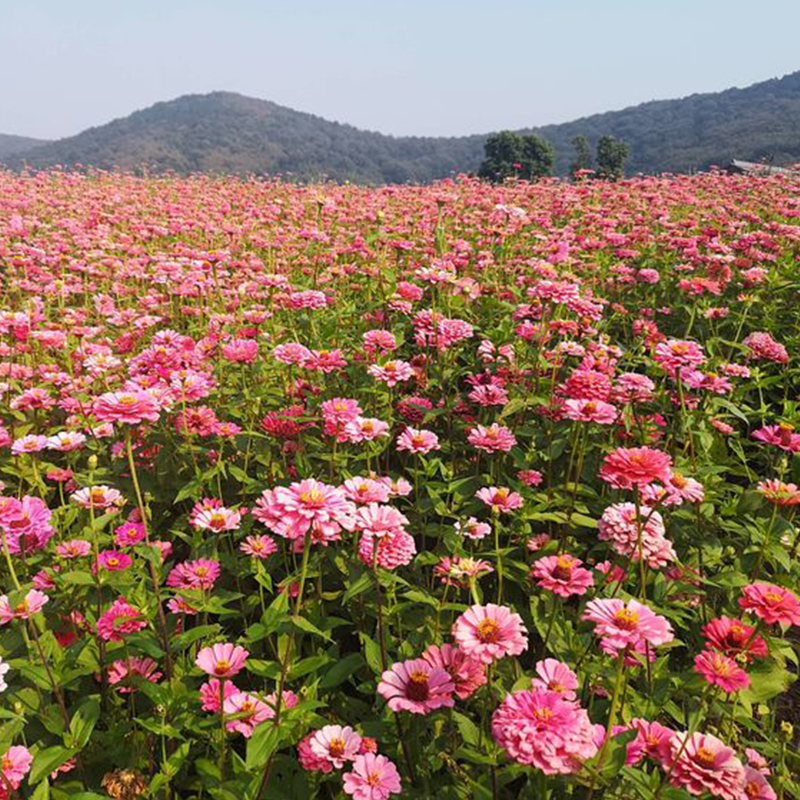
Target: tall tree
{"x":509,"y":154}
{"x":538,"y":158}
{"x":611,"y":156}
{"x":583,"y":155}
{"x":503,"y":156}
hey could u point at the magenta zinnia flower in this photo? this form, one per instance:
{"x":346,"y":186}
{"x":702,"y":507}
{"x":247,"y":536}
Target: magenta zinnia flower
{"x":416,"y":686}
{"x":121,"y":618}
{"x":720,"y":670}
{"x":734,"y":638}
{"x":490,"y":632}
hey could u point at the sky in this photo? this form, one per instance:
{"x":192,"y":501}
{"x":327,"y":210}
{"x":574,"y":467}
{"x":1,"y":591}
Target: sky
{"x":426,"y":67}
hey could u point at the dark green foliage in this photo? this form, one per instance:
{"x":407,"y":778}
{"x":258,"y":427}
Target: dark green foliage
{"x":510,"y":154}
{"x":611,"y":157}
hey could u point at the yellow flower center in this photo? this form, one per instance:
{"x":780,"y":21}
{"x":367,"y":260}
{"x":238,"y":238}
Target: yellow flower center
{"x":626,"y":619}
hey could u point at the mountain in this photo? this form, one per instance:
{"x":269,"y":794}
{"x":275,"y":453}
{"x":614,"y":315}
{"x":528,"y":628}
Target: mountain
{"x":224,"y":132}
{"x":17,"y":144}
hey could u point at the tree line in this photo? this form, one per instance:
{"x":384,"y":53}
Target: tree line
{"x":531,"y":157}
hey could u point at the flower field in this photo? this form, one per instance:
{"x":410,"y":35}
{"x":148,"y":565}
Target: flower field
{"x":458,"y":491}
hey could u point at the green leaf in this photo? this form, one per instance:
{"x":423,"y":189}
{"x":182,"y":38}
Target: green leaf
{"x":83,"y":721}
{"x":45,"y":761}
{"x":341,"y":671}
{"x":308,"y":626}
{"x":467,"y":728}
{"x":262,"y":744}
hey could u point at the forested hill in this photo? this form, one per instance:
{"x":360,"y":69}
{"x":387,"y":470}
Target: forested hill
{"x":224,"y":132}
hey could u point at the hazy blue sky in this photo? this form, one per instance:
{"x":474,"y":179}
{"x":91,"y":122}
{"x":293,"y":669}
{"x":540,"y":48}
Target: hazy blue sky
{"x":406,"y":66}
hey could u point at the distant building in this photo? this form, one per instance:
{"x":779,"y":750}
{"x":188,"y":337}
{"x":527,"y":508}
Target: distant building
{"x":737,"y":167}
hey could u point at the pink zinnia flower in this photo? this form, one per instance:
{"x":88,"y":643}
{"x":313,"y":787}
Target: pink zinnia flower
{"x":222,"y":660}
{"x":336,"y":744}
{"x":416,"y":686}
{"x":622,"y":625}
{"x":217,"y":520}
{"x":530,"y":477}
{"x":493,"y":439}
{"x":392,"y":372}
{"x":625,"y":468}
{"x":563,"y":575}
{"x":705,"y":764}
{"x":241,"y":351}
{"x":380,"y":520}
{"x":590,"y":411}
{"x":500,"y":498}
{"x":366,"y":490}
{"x":473,"y":529}
{"x":74,"y":548}
{"x":645,"y":539}
{"x":556,"y":677}
{"x":675,"y":354}
{"x":755,"y":786}
{"x":395,"y":548}
{"x":720,"y":670}
{"x":543,"y":729}
{"x":15,"y":764}
{"x":771,"y":603}
{"x":418,"y":441}
{"x":292,"y":511}
{"x":466,"y":672}
{"x":29,"y":444}
{"x":33,"y":603}
{"x":199,"y":574}
{"x":128,"y":407}
{"x":340,"y":409}
{"x":125,"y":670}
{"x":248,"y":712}
{"x":781,"y":435}
{"x":210,"y":694}
{"x":373,"y":777}
{"x":98,"y":497}
{"x":291,"y":353}
{"x":653,"y":740}
{"x":261,"y":546}
{"x":365,"y":429}
{"x":308,"y":759}
{"x":490,"y":632}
